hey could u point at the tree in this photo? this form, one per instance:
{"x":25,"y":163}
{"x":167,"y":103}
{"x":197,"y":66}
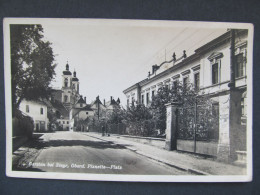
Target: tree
{"x":138,"y":119}
{"x":116,"y":116}
{"x":190,"y":100}
{"x":32,"y":66}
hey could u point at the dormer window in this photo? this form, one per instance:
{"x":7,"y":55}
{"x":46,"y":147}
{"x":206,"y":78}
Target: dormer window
{"x":81,"y":105}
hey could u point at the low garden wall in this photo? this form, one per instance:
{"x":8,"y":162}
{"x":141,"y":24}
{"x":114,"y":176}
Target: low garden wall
{"x":202,"y":147}
{"x":158,"y":142}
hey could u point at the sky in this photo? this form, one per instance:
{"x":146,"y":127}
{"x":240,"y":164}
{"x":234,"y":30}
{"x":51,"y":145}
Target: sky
{"x":112,"y":55}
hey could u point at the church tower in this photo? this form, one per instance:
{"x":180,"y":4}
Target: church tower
{"x":66,"y":98}
{"x":75,"y":88}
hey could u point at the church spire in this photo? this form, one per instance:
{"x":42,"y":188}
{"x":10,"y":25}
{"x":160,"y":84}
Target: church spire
{"x":74,"y":73}
{"x":67,"y":66}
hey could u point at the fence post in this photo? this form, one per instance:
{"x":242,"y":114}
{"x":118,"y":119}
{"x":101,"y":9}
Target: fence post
{"x":171,"y":126}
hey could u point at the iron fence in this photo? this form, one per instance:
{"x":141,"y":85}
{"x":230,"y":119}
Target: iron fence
{"x":198,"y":122}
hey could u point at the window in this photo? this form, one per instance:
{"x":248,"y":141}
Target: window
{"x":152,"y":93}
{"x":185,"y":82}
{"x":66,"y":82}
{"x":65,"y":98}
{"x":73,"y":86}
{"x":86,"y":113}
{"x":240,"y":65}
{"x":244,"y":109}
{"x":142,"y":101}
{"x":147,"y":98}
{"x":215,"y":75}
{"x":174,"y":85}
{"x":81,"y":105}
{"x":27,"y":108}
{"x":63,"y":122}
{"x":197,"y":81}
{"x":244,"y":104}
{"x":133,"y":101}
{"x":41,"y":110}
{"x":127,"y":103}
{"x":67,"y":122}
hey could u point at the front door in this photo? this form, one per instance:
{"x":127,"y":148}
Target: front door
{"x":37,"y":128}
{"x":42,"y":125}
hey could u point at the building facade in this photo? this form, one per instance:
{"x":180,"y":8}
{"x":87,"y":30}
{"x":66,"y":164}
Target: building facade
{"x":37,"y":110}
{"x":81,"y":111}
{"x":218,"y":69}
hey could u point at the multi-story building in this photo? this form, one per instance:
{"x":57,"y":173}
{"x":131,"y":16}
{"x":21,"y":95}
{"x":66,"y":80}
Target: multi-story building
{"x":218,"y":69}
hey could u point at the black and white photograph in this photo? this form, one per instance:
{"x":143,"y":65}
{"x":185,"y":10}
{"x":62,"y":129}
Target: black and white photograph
{"x":128,"y":100}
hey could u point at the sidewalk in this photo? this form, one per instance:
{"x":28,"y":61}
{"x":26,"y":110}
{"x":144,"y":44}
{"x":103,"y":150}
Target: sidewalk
{"x":185,"y":161}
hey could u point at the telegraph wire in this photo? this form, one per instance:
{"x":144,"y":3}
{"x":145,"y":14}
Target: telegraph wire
{"x":154,"y":55}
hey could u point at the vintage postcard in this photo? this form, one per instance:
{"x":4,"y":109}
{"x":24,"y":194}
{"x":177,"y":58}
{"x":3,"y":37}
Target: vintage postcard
{"x":128,"y":100}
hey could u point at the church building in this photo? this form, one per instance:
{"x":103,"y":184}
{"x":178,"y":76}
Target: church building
{"x":72,"y":109}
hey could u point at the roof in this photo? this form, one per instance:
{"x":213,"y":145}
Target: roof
{"x":81,"y":101}
{"x":77,"y":110}
{"x":219,"y":40}
{"x":97,"y":101}
{"x":205,"y":48}
{"x":168,"y":71}
{"x":60,"y":107}
{"x":66,"y":72}
{"x":75,"y":79}
{"x":41,"y":102}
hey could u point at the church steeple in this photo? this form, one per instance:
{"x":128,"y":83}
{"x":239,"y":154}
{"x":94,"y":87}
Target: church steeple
{"x":67,"y":71}
{"x":67,"y":66}
{"x":75,"y":82}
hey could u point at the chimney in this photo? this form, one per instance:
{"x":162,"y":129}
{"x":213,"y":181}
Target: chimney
{"x":85,"y":99}
{"x":111,"y":98}
{"x":104,"y":102}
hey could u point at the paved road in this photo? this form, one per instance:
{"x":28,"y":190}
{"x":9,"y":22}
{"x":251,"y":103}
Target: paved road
{"x":78,"y":153}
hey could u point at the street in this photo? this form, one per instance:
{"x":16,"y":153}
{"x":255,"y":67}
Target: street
{"x":79,"y":153}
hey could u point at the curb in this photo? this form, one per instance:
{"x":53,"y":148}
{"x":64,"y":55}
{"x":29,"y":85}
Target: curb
{"x":177,"y":166}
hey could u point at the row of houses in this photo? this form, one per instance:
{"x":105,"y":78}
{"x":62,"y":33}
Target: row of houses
{"x":218,"y":69}
{"x":66,"y":106}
